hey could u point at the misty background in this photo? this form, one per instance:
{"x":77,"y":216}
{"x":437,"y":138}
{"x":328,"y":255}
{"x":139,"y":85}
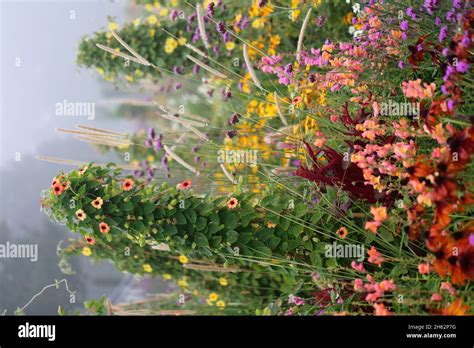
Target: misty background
{"x":38,"y":47}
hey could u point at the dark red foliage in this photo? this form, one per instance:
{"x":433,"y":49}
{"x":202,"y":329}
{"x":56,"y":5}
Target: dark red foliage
{"x":337,"y":173}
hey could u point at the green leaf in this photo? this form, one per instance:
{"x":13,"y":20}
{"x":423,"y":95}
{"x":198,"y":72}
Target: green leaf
{"x":214,"y":218}
{"x":170,"y":230}
{"x":191,"y":216}
{"x":232,"y":236}
{"x":300,"y":210}
{"x":244,"y":237}
{"x":181,"y":220}
{"x":201,"y":240}
{"x":201,"y":223}
{"x":148,"y":208}
{"x":231,"y":221}
{"x":127,"y":206}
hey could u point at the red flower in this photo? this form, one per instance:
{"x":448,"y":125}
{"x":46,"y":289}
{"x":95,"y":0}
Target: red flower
{"x":184,"y":185}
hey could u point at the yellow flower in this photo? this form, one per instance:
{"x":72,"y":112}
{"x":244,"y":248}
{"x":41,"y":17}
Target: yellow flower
{"x":167,"y":276}
{"x":183,"y":259}
{"x":157,"y":4}
{"x":213,"y":297}
{"x":182,"y":41}
{"x":174,"y":3}
{"x":170,"y":45}
{"x":86,"y":251}
{"x":152,"y":19}
{"x":136,"y":22}
{"x":258,"y":23}
{"x":230,"y":45}
{"x":275,"y":40}
{"x":100,"y":71}
{"x":129,"y":78}
{"x":152,"y":32}
{"x":147,"y":268}
{"x":164,"y":12}
{"x":148,"y":7}
{"x":113,"y":26}
{"x":182,"y":283}
{"x":220,"y":304}
{"x":223,"y":282}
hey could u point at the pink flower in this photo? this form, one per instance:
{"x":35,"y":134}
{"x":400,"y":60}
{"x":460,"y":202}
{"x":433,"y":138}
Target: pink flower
{"x":436,"y":297}
{"x":448,"y":287}
{"x":424,"y":268}
{"x":358,"y":267}
{"x":358,"y":285}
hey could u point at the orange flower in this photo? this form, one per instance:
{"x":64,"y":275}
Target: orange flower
{"x":342,"y":232}
{"x":57,"y":189}
{"x":232,"y":203}
{"x":128,"y":184}
{"x":104,"y":228}
{"x":97,"y":203}
{"x":381,"y":310}
{"x":456,"y":308}
{"x":184,"y":185}
{"x":81,"y":215}
{"x":379,"y":213}
{"x":375,"y":257}
{"x":372,"y":226}
{"x":89,"y":239}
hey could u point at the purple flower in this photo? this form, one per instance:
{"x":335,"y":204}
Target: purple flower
{"x":178,"y":85}
{"x":411,"y":13}
{"x":443,"y":33}
{"x":197,"y":159}
{"x":226,"y":94}
{"x":227,"y":37}
{"x":444,"y":89}
{"x":320,"y":20}
{"x":438,"y":21}
{"x":157,"y":145}
{"x":148,"y":143}
{"x":210,"y":9}
{"x":465,"y":40}
{"x":288,"y":69}
{"x":404,"y":36}
{"x":450,"y":104}
{"x":230,"y":134}
{"x":195,"y":69}
{"x":151,"y":133}
{"x":234,"y":118}
{"x":312,"y":78}
{"x":471,"y":239}
{"x":450,"y":16}
{"x":404,"y":25}
{"x":261,"y":3}
{"x":220,"y":27}
{"x":462,"y":66}
{"x":401,"y":64}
